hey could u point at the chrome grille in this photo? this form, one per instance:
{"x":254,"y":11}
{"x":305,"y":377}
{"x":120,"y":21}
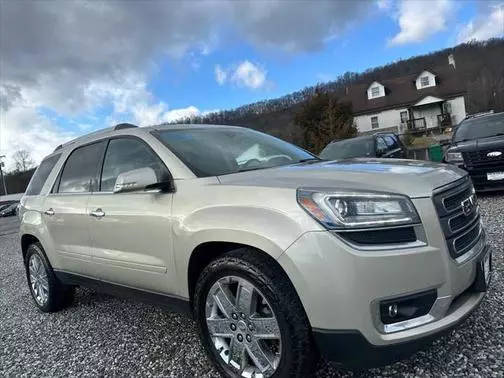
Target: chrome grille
{"x":481,"y":157}
{"x":458,"y":213}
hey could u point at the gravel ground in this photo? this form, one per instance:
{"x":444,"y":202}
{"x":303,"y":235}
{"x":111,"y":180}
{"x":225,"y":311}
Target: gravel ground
{"x":102,"y":335}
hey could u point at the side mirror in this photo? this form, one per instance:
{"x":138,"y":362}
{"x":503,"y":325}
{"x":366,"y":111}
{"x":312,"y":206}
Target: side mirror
{"x":137,"y":179}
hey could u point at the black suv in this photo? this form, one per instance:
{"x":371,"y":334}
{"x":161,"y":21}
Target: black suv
{"x":478,"y":147}
{"x":384,"y":145}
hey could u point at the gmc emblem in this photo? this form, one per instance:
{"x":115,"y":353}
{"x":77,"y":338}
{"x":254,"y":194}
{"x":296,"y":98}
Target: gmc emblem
{"x":467,"y":205}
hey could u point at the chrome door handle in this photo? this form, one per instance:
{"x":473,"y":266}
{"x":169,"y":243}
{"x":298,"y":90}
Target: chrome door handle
{"x":98,"y":213}
{"x":49,"y":211}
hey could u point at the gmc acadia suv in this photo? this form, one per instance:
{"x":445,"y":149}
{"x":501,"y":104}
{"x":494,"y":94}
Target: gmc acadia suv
{"x":276,"y":254}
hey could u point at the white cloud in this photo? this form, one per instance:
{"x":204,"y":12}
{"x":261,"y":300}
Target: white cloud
{"x":78,"y":57}
{"x":220,"y":75}
{"x":489,"y":24}
{"x":249,"y":75}
{"x":145,"y":115}
{"x":22,"y":127}
{"x":383,"y":4}
{"x":420,"y":19}
{"x":244,"y":74}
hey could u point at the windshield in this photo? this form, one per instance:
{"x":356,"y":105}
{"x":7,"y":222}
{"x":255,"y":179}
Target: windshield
{"x":220,"y":151}
{"x":350,"y":148}
{"x":484,"y":127}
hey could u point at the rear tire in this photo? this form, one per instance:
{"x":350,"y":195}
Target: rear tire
{"x":48,"y":293}
{"x":291,"y":354}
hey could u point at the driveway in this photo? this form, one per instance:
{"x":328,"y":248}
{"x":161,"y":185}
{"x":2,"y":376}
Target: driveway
{"x":103,"y":335}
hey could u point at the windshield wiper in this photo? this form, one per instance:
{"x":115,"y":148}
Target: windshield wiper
{"x":309,"y":159}
{"x":251,"y":169}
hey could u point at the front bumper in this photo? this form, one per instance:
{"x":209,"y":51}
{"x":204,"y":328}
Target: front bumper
{"x":479,"y":178}
{"x":341,"y":286}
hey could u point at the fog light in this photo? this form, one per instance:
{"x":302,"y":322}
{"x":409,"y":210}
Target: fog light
{"x":392,"y":310}
{"x":407,"y":307}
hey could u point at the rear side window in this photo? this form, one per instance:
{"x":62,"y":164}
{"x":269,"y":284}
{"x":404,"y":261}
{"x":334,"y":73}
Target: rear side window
{"x":127,"y":154}
{"x":80,"y":173}
{"x":381,"y":146}
{"x":41,"y":174}
{"x":391,"y":142}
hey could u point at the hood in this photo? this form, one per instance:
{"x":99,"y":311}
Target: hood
{"x":409,"y":177}
{"x":479,"y":144}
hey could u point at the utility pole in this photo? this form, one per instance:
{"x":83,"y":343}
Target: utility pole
{"x":2,"y":175}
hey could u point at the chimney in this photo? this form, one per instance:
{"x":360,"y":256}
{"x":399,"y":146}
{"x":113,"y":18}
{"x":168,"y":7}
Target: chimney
{"x":451,"y":60}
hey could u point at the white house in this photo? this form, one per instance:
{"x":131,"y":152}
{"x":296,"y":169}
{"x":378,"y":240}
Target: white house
{"x":433,"y":98}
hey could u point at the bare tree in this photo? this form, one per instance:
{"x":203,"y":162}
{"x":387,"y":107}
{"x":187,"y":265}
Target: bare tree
{"x":23,"y":160}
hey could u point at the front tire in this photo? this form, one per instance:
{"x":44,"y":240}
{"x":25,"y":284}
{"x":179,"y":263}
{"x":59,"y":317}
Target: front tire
{"x":48,"y":292}
{"x":251,"y":320}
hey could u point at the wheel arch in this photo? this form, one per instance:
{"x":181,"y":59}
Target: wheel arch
{"x":206,"y":252}
{"x":26,"y":241}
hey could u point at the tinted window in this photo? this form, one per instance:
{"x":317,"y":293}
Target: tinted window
{"x":39,"y":178}
{"x":381,"y":146}
{"x":219,"y":151}
{"x":481,"y":127}
{"x":81,"y":169}
{"x":391,"y":142}
{"x":125,"y":155}
{"x":349,"y":148}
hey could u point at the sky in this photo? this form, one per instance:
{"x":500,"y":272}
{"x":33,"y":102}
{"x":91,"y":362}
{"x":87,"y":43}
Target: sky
{"x":71,"y":67}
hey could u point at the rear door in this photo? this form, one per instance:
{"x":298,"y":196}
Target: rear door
{"x":65,"y":209}
{"x":132,"y":232}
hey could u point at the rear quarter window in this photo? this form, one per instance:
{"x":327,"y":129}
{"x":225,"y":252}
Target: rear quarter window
{"x":41,"y":174}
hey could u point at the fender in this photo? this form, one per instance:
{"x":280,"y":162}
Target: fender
{"x":266,"y":229}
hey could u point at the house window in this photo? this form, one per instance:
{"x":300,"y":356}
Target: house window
{"x":374,"y":122}
{"x":404,"y":116}
{"x":424,"y":81}
{"x":375,"y":91}
{"x":447,"y":107}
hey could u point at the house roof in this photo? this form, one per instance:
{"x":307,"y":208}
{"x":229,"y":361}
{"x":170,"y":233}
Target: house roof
{"x":402,"y":92}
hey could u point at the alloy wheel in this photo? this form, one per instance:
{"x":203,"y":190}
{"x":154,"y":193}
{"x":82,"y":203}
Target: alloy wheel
{"x":243,"y":327}
{"x":38,"y":279}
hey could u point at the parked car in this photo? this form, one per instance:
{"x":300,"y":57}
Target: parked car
{"x":276,"y":257}
{"x":478,"y":147}
{"x":9,"y":210}
{"x":384,"y":145}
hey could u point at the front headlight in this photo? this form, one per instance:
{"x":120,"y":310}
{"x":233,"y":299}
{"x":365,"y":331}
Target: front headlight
{"x":454,"y":157}
{"x":343,"y":209}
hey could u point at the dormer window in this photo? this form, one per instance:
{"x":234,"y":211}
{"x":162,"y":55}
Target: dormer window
{"x":425,"y":79}
{"x":375,"y":91}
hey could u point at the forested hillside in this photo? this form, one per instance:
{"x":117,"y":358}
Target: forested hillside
{"x":479,"y":64}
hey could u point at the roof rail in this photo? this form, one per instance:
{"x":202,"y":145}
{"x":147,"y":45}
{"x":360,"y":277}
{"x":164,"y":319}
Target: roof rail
{"x":120,"y":126}
{"x":480,"y":114}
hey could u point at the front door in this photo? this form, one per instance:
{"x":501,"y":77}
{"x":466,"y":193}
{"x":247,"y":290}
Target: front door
{"x":65,"y":210}
{"x":131,"y":233}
